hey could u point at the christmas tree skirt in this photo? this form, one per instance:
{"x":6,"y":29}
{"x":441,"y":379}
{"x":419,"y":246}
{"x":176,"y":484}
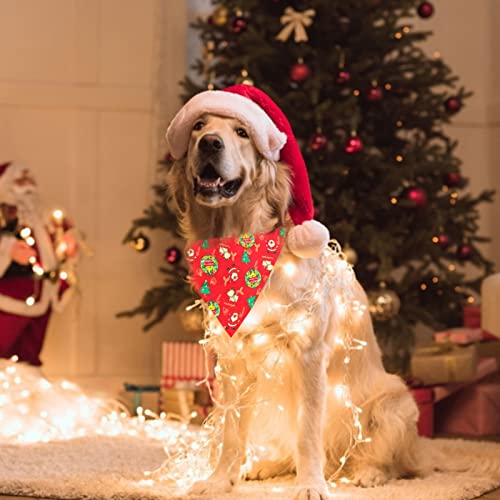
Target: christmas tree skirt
{"x":112,"y":468}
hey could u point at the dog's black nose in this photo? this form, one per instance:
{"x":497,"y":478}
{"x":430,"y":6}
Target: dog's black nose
{"x":211,"y":143}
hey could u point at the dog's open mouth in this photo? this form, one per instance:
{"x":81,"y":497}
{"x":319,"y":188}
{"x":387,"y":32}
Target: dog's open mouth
{"x":210,"y":183}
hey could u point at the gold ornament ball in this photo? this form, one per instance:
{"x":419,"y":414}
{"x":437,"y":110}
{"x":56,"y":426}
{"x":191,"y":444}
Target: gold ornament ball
{"x":192,"y":320}
{"x":350,"y":255}
{"x":384,"y":304}
{"x":220,"y":16}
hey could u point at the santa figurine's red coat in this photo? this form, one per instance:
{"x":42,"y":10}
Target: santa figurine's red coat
{"x":26,"y":301}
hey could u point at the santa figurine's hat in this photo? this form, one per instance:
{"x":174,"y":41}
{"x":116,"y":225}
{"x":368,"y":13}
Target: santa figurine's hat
{"x":9,"y":172}
{"x":272,"y":135}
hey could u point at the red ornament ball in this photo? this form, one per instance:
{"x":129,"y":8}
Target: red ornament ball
{"x":353,"y":145}
{"x":318,"y":142}
{"x":299,"y":72}
{"x":375,"y":94}
{"x":239,"y":24}
{"x":464,"y":251}
{"x":173,"y":255}
{"x":343,"y":77}
{"x":444,"y":241}
{"x":417,"y":196}
{"x":425,"y":10}
{"x":452,"y":179}
{"x":452,"y":105}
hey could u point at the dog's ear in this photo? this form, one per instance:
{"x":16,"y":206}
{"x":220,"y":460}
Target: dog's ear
{"x":277,"y":187}
{"x":177,"y":199}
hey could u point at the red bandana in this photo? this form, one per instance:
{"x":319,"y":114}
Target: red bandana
{"x":229,"y":273}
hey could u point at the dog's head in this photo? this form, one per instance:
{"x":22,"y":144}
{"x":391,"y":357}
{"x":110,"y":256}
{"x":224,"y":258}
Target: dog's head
{"x":223,"y":166}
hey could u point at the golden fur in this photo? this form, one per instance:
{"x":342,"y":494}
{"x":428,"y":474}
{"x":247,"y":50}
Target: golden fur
{"x":310,"y":436}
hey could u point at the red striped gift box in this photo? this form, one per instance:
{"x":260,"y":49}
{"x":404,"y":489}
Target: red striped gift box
{"x":183,"y":364}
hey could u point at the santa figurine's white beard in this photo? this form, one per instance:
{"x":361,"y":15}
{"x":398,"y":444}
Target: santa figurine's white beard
{"x":27,"y":201}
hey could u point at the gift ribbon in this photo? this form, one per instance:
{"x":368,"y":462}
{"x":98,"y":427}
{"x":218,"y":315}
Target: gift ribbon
{"x":295,"y":22}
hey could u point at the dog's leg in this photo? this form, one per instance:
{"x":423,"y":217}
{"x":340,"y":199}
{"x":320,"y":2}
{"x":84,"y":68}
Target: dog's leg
{"x":312,"y":406}
{"x":227,"y":472}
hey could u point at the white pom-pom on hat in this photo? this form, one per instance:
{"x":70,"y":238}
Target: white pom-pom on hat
{"x":309,"y":239}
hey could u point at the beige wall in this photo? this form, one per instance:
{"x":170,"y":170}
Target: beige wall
{"x":85,"y":88}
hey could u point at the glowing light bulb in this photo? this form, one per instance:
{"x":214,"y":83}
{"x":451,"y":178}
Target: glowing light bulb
{"x":25,"y":232}
{"x":63,"y":275}
{"x":38,"y":270}
{"x":340,"y":391}
{"x":30,"y":241}
{"x":290,"y":268}
{"x":58,"y":214}
{"x":260,"y":339}
{"x":30,"y":300}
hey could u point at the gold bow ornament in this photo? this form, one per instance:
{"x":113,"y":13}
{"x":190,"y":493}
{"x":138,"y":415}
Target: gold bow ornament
{"x":295,"y":22}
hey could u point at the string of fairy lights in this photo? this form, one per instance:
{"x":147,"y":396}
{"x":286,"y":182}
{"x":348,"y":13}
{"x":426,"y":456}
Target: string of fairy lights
{"x":37,"y":267}
{"x":32,"y":409}
{"x":270,"y":346}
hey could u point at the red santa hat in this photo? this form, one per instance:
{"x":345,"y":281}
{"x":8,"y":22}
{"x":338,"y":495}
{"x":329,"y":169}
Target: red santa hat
{"x":272,"y":135}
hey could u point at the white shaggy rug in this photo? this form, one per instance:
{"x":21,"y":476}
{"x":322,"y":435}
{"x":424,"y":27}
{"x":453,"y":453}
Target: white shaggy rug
{"x":112,"y":468}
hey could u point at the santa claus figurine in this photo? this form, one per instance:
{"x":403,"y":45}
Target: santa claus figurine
{"x":36,"y":265}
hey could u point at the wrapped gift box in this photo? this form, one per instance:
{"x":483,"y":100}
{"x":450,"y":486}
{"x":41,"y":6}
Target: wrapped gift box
{"x":472,"y":316}
{"x":440,"y":364}
{"x":424,"y":397}
{"x":490,"y":349}
{"x":185,"y":367}
{"x":474,"y":411}
{"x":427,"y":397}
{"x":459,"y":336}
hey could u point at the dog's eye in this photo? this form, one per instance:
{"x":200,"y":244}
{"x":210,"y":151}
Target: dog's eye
{"x":198,"y":125}
{"x":242,"y":132}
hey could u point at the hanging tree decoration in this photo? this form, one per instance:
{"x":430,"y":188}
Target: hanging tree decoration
{"x":452,"y":105}
{"x":425,"y":10}
{"x":384,"y":303}
{"x":299,"y":71}
{"x":295,"y":22}
{"x":140,"y":243}
{"x":343,"y":76}
{"x":353,"y":144}
{"x":239,"y":22}
{"x":318,"y":141}
{"x":173,"y":255}
{"x":244,"y":78}
{"x":375,"y":93}
{"x":220,"y":16}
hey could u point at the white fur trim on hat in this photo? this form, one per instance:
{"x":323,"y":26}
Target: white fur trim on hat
{"x":308,"y":239}
{"x":267,"y":137}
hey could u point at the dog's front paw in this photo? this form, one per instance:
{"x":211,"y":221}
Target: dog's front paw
{"x":312,"y":492}
{"x":211,"y":486}
{"x":369,"y":476}
{"x":265,"y":469}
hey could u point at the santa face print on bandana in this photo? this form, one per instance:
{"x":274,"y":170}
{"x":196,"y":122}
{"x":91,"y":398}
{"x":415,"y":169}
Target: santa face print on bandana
{"x":230,"y":273}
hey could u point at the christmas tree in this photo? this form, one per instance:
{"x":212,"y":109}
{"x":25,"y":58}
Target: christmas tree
{"x":369,"y":108}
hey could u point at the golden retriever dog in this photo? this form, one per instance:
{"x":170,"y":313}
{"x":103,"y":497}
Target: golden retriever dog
{"x":223,"y":187}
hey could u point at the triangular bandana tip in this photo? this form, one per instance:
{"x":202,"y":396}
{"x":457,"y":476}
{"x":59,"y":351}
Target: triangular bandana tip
{"x":230,"y":273}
